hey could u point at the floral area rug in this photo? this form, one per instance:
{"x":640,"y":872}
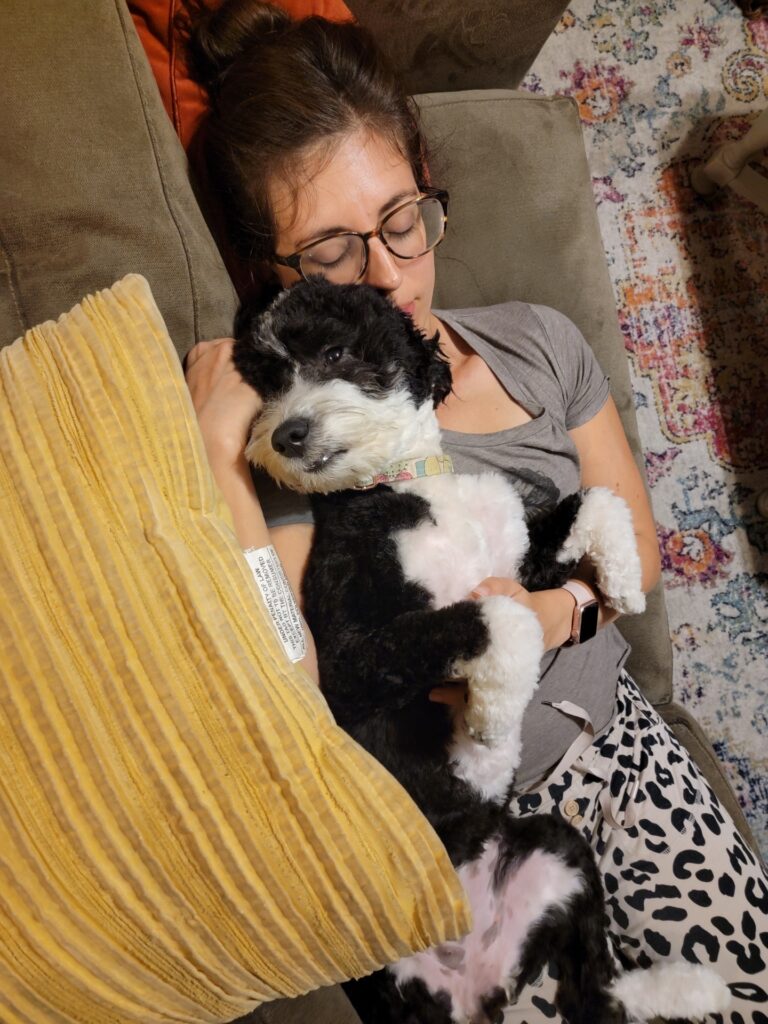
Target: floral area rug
{"x":660,"y":84}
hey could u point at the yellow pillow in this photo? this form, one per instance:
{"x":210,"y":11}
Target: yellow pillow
{"x":184,"y":831}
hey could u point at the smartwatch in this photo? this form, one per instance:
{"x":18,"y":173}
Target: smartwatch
{"x":585,"y":613}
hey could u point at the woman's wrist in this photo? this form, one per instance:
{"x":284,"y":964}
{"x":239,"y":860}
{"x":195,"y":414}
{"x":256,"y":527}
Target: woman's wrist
{"x":555,"y":611}
{"x":224,"y":450}
{"x":585,"y":574}
{"x":233,"y":477}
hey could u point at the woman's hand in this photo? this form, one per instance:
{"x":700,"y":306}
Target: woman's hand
{"x":554,"y":609}
{"x":225,"y":405}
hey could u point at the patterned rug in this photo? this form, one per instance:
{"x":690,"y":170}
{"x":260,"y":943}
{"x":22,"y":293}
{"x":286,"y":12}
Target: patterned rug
{"x":660,"y":84}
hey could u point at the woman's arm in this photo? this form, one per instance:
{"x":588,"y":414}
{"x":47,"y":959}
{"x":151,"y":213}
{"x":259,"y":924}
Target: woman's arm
{"x":226,"y":407}
{"x":606,"y":461}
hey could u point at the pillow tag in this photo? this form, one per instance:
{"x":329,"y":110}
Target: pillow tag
{"x":276,"y":591}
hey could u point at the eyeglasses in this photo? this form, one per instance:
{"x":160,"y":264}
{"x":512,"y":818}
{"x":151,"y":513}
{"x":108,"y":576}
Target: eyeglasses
{"x":408,"y":231}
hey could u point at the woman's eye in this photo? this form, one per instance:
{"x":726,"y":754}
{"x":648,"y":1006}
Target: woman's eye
{"x":402,"y":222}
{"x":333,"y":355}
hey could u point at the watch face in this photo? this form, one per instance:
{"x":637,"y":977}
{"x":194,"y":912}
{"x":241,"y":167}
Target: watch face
{"x":589,"y":614}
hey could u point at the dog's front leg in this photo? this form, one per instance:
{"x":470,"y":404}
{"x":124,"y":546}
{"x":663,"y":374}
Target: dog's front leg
{"x":604,"y":534}
{"x":504,"y":676}
{"x":495,"y":644}
{"x":364,"y":671}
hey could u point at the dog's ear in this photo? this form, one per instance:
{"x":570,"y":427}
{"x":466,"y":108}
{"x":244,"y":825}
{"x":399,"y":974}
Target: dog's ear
{"x":245,"y":318}
{"x":440,"y":370}
{"x":258,"y":357}
{"x":433,"y":367}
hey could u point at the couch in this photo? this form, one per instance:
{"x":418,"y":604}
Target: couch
{"x":95,"y":185}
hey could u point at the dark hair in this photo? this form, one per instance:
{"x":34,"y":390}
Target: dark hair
{"x":281,"y":88}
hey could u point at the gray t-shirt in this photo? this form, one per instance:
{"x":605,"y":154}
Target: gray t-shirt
{"x":544,"y":363}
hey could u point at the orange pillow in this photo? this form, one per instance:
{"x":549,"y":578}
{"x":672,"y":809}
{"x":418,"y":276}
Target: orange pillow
{"x":184,"y":99}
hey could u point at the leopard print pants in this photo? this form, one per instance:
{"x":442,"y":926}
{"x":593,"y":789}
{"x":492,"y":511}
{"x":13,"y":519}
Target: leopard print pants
{"x":680,"y":882}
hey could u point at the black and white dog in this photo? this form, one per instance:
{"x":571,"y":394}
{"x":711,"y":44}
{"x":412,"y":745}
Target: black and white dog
{"x":350,"y":386}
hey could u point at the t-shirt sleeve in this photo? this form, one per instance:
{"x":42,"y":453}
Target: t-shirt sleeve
{"x":281,"y":506}
{"x":585,"y":386}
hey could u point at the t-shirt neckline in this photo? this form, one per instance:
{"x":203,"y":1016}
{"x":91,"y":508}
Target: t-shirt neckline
{"x":495,"y":437}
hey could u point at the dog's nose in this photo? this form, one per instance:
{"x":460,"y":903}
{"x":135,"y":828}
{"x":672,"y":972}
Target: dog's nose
{"x":290,"y":436}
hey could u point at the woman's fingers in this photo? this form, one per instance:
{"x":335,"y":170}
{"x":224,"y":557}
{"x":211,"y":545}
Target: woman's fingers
{"x":497,"y":585}
{"x":450,"y":693}
{"x":225,"y":405}
{"x":207,"y":362}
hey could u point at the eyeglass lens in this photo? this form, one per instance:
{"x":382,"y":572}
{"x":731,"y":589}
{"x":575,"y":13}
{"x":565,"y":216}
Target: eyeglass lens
{"x":408,"y":232}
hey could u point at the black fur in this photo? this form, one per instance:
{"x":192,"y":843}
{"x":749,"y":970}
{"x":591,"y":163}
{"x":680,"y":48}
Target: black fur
{"x":382,"y":646}
{"x":379,"y":343}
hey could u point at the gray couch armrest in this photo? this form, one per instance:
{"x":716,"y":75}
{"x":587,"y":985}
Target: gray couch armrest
{"x":692,"y":737}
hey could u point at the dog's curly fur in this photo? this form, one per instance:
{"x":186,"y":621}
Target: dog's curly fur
{"x":350,"y":384}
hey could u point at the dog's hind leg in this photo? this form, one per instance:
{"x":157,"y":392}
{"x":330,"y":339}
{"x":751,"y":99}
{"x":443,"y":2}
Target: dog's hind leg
{"x":378,"y":999}
{"x":559,"y":879}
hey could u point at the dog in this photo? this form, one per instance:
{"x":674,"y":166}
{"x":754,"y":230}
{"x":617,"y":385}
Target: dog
{"x":349,"y":387}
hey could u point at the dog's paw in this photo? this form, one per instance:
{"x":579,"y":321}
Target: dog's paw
{"x":672,"y":989}
{"x":603,"y":533}
{"x":503,"y":678}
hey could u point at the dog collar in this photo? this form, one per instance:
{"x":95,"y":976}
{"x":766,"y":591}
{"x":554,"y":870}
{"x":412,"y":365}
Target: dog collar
{"x":407,"y":469}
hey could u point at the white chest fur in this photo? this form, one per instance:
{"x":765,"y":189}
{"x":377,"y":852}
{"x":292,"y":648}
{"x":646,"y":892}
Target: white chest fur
{"x":477,"y":530}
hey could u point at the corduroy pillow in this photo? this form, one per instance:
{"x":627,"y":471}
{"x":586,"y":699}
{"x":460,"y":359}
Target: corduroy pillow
{"x":184,"y":831}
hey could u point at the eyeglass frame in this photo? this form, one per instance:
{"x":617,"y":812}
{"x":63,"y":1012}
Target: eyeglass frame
{"x":294,"y":260}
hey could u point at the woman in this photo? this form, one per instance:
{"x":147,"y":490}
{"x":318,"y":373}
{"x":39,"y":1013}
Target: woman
{"x":318,"y":161}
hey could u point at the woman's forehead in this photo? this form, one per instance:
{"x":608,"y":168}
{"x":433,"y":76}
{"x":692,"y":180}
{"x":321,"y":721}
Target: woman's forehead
{"x":346,"y":188}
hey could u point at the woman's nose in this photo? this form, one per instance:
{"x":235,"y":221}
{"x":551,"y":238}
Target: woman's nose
{"x":382,"y":270}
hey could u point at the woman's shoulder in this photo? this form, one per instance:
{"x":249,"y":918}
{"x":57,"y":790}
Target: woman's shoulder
{"x":508,"y":318}
{"x":542,"y":349}
{"x":522,"y":330}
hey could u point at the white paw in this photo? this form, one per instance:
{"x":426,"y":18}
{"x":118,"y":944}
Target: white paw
{"x":672,"y":989}
{"x":503,"y":678}
{"x":603,"y":532}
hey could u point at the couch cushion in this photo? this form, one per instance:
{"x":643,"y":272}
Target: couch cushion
{"x":522,"y":225}
{"x":93,"y":179}
{"x":185,"y":832}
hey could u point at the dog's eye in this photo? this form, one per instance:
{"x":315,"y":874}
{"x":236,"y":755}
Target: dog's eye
{"x":333,"y":354}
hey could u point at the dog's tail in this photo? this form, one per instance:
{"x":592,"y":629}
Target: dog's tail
{"x":671,"y":990}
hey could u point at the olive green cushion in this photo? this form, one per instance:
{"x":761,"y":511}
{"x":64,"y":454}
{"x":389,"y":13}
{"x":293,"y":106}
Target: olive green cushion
{"x":93,"y":180}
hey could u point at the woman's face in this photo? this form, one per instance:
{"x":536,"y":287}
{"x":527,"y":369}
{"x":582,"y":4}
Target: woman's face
{"x":362,"y":181}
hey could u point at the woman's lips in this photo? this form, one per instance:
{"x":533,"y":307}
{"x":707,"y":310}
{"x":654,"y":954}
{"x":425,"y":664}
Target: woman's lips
{"x":408,"y":308}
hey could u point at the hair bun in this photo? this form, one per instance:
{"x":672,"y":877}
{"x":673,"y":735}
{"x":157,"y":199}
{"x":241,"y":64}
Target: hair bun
{"x":217,"y":36}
